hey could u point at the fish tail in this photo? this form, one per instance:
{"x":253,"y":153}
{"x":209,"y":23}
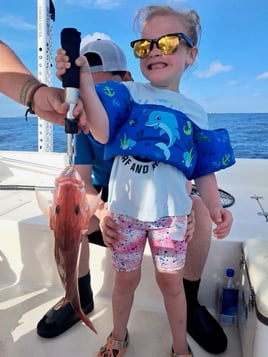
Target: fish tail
{"x":86,"y":320}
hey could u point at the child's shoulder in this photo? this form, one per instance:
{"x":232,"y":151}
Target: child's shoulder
{"x":194,"y":111}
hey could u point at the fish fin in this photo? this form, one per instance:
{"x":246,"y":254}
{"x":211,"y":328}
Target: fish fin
{"x":44,"y":199}
{"x":93,"y":202}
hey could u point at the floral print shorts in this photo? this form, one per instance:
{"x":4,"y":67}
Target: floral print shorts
{"x":166,"y":238}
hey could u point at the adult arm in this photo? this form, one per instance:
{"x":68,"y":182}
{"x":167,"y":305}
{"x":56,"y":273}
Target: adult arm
{"x":19,"y":84}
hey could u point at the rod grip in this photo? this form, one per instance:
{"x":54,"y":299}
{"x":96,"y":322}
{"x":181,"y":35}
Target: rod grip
{"x":70,"y":42}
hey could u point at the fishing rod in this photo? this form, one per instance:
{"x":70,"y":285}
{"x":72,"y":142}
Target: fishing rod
{"x":14,"y":187}
{"x":70,"y":41}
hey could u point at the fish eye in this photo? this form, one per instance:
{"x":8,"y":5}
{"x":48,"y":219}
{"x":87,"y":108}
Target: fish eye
{"x":76,"y":209}
{"x":57,"y":209}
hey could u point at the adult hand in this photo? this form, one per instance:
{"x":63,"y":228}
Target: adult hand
{"x":49,"y":103}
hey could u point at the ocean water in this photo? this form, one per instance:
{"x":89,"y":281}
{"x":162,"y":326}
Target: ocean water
{"x":248,"y":133}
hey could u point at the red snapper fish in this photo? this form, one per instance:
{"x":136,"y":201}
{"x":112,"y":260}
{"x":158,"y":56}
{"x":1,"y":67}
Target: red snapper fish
{"x":70,"y":214}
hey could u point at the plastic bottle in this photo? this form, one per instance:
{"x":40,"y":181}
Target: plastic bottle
{"x":229,"y":300}
{"x":229,"y":274}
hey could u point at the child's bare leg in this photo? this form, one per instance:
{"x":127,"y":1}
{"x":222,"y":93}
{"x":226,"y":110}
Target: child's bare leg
{"x":171,"y":286}
{"x":124,"y":287}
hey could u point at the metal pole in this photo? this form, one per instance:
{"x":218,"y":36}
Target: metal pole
{"x":45,"y":19}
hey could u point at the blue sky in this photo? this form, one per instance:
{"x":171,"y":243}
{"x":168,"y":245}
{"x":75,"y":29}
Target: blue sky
{"x":230,"y":75}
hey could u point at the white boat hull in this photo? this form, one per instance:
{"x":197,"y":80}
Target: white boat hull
{"x":30,"y":285}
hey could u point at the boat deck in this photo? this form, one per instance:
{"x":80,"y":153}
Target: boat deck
{"x":149,"y":330}
{"x":29,"y":283}
{"x":30,"y":286}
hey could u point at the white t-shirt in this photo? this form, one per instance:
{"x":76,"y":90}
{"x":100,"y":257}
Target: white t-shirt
{"x":150,"y":190}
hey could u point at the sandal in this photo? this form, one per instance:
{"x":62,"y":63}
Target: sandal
{"x":114,"y":348}
{"x":190,"y":354}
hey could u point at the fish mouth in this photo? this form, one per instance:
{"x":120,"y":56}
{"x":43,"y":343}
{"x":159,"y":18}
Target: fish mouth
{"x":69,"y":180}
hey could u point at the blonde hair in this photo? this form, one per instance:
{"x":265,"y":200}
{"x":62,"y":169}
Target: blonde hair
{"x":189,"y":18}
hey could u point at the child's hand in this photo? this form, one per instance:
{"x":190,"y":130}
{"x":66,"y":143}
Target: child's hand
{"x":86,"y":80}
{"x":190,"y":226}
{"x":62,"y":63}
{"x":109,"y":229}
{"x":223,"y":219}
{"x":92,"y":108}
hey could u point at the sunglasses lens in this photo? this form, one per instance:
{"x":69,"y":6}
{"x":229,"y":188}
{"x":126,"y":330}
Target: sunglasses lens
{"x":142,"y":48}
{"x":168,"y":44}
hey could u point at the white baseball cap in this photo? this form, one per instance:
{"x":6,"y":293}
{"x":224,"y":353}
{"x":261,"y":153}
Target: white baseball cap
{"x":108,"y":56}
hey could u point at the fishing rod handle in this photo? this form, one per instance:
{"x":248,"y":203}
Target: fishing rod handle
{"x":70,"y":42}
